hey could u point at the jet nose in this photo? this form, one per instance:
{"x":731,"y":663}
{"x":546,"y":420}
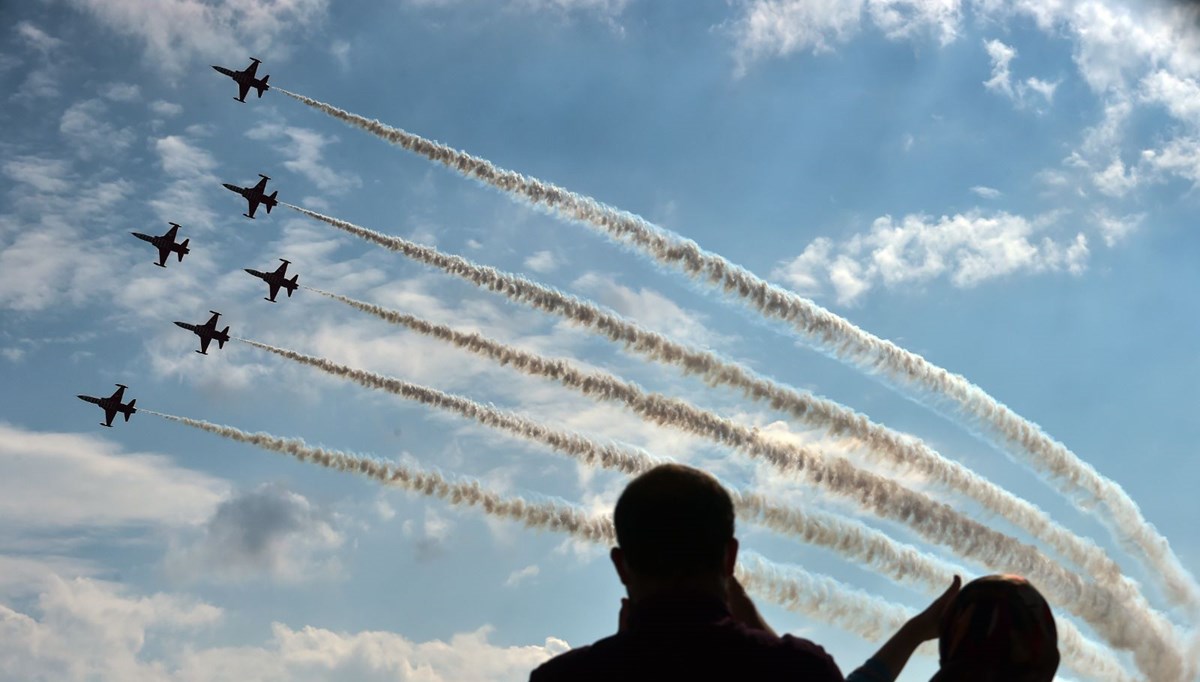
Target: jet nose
{"x":181,"y":325}
{"x":248,"y":271}
{"x":231,"y":188}
{"x":82,"y":397}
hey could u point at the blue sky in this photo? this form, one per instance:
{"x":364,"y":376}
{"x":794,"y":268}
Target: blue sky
{"x":1007,"y":188}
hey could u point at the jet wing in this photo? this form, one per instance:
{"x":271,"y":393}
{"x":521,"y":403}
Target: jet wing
{"x":282,"y":269}
{"x":261,"y":187}
{"x":118,"y":394}
{"x":109,"y":414}
{"x":243,"y":90}
{"x":253,"y":207}
{"x":163,"y":252}
{"x":274,"y":285}
{"x":170,"y":235}
{"x":204,"y":341}
{"x":251,"y":71}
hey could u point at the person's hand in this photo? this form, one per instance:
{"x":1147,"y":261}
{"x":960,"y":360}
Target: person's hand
{"x":926,"y":625}
{"x":742,"y":608}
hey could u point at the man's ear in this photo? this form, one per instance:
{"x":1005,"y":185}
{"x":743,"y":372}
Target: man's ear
{"x":618,"y":560}
{"x":731,"y":551}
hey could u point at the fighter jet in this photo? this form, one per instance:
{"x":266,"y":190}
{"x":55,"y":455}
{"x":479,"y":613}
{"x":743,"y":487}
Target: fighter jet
{"x":165,"y":244}
{"x":112,"y":405}
{"x":246,"y":80}
{"x":207,"y":332}
{"x":255,"y":195}
{"x":277,"y":279}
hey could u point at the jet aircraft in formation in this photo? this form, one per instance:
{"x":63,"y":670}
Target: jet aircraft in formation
{"x":246,"y":79}
{"x":112,"y":405}
{"x":255,"y":195}
{"x":165,"y":243}
{"x":207,"y":332}
{"x":277,"y":279}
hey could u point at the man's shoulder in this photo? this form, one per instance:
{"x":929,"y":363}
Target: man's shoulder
{"x":570,"y":664}
{"x":762,"y":655}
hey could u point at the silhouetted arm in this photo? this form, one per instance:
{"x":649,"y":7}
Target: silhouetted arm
{"x":886,"y":664}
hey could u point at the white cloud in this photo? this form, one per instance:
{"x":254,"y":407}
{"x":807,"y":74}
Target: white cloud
{"x":340,"y":49}
{"x":121,"y":92}
{"x":1001,"y":81}
{"x":986,"y":192}
{"x":522,"y":575}
{"x":180,"y":33}
{"x":191,"y":171}
{"x":303,"y":147}
{"x":542,"y":261}
{"x":85,"y":629}
{"x":968,"y":248}
{"x":648,"y":308}
{"x":12,"y":354}
{"x":268,"y":533}
{"x":50,"y":480}
{"x":165,"y":108}
{"x":35,"y":271}
{"x":37,"y":38}
{"x":776,"y":28}
{"x":1115,"y":180}
{"x":89,"y":134}
{"x":44,"y":175}
{"x":1114,"y":229}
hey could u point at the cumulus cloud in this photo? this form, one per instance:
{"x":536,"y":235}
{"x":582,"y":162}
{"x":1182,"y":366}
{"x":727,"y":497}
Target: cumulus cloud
{"x":986,"y":192}
{"x":84,"y":629}
{"x":1001,"y":80}
{"x":542,"y":261}
{"x":776,"y":28}
{"x":268,"y":533}
{"x":54,"y":480}
{"x":179,"y":33}
{"x":967,"y":248}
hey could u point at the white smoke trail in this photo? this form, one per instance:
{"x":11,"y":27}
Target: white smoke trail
{"x":791,"y":587}
{"x":897,"y":450}
{"x":900,"y":451}
{"x":832,"y":333}
{"x":1141,"y":631}
{"x":848,"y":537}
{"x":838,"y":604}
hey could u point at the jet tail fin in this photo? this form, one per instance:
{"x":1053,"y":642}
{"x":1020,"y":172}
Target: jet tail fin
{"x":263,"y":87}
{"x":129,"y":413}
{"x":221,"y":341}
{"x":183,"y":249}
{"x":293,"y":280}
{"x":271,"y":201}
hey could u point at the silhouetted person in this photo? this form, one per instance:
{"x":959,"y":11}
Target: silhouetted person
{"x":998,"y":628}
{"x":686,"y":616}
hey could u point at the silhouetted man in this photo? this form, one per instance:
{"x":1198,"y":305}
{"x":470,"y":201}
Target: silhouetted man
{"x":686,"y":617}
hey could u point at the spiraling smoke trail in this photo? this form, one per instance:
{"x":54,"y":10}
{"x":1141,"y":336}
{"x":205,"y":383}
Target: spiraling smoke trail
{"x":838,"y":604}
{"x":1141,"y":631}
{"x":900,"y":451}
{"x":832,"y":333}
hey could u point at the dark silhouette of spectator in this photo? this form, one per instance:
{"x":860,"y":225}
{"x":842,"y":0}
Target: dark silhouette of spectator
{"x":998,"y":628}
{"x":686,"y":616}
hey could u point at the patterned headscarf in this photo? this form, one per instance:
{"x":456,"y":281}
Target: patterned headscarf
{"x":999,"y":627}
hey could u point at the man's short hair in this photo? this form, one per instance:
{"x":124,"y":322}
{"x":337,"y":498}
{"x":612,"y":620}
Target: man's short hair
{"x":674,"y":521}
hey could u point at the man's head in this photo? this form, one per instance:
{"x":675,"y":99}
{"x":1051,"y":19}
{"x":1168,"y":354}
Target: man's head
{"x":1002,"y":625}
{"x":674,"y":526}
